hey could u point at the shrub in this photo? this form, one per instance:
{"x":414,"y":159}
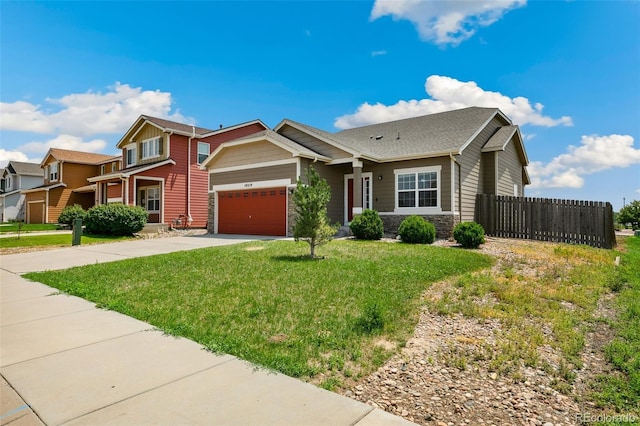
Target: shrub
{"x":367,"y":226}
{"x":71,"y":213}
{"x":469,"y":234}
{"x":115,"y":219}
{"x":415,"y":230}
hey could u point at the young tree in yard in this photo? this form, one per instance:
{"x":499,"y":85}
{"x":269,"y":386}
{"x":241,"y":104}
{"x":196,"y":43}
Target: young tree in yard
{"x":312,"y":224}
{"x":630,"y":214}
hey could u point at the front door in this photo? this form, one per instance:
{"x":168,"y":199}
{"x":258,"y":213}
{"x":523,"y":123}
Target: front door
{"x":149,"y":199}
{"x":366,"y":194}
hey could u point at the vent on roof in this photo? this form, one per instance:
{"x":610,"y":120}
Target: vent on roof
{"x":378,"y":137}
{"x":398,"y":137}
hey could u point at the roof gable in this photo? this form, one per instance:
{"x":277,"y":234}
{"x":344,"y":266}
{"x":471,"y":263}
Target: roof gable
{"x":78,"y":157}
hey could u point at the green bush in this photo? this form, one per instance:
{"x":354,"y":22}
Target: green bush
{"x":415,"y":230}
{"x":115,"y":219}
{"x":367,"y":226}
{"x":469,"y":234}
{"x":71,"y":213}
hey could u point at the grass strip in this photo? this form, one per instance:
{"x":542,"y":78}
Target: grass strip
{"x":57,"y":240}
{"x":268,"y":303}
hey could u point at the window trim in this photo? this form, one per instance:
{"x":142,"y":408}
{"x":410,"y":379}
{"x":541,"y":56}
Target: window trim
{"x":50,"y":173}
{"x":145,"y":155}
{"x":144,"y":202}
{"x":131,"y":148}
{"x":415,"y":209}
{"x":198,"y":154}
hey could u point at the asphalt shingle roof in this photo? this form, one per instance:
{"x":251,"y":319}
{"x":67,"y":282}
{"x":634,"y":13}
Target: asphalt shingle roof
{"x":499,"y":139}
{"x":418,"y":136}
{"x":79,"y":156}
{"x":173,"y":125}
{"x":293,"y":146}
{"x":26,"y":169}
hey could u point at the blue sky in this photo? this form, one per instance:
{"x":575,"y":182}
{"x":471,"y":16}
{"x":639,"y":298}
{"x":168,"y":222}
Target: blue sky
{"x":77,"y":74}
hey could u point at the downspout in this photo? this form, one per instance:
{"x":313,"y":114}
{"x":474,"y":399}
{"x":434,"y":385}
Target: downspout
{"x":193,"y":135}
{"x":459,"y":186}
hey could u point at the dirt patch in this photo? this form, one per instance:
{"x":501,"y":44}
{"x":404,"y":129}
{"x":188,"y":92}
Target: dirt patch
{"x":443,"y":375}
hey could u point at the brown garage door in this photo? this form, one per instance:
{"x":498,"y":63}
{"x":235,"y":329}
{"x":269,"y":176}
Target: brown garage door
{"x":253,"y":212}
{"x":36,"y":213}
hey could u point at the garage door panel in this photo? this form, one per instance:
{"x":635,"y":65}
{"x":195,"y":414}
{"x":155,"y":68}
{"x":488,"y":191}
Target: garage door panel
{"x":253,"y":212}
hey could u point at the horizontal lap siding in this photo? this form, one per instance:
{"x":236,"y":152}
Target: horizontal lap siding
{"x":334,"y":175}
{"x":258,"y":152}
{"x":148,"y":132}
{"x":471,"y":171}
{"x":509,"y":171}
{"x":488,"y":163}
{"x":284,"y":171}
{"x":384,"y":190}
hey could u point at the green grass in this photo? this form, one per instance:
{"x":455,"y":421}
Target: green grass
{"x":268,"y":303}
{"x":621,"y":390}
{"x":56,"y":240}
{"x":13,"y":227}
{"x":552,"y":305}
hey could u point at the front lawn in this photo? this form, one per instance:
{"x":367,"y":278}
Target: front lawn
{"x":326,"y":320}
{"x":34,"y":227}
{"x":53,"y":241}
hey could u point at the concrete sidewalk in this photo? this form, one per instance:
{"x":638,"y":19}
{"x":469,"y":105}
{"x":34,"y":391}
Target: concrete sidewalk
{"x":66,"y":362}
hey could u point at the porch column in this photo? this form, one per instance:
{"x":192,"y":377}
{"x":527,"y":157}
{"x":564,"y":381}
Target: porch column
{"x":357,"y":187}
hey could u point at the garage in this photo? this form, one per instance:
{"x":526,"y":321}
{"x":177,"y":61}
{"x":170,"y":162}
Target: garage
{"x":35,"y":213}
{"x":253,"y":212}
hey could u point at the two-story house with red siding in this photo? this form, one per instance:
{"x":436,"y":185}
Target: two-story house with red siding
{"x":161,"y":168}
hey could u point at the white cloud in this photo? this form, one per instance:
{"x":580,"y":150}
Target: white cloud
{"x":447,"y":94}
{"x":6,"y":156}
{"x":445,"y":21}
{"x":70,"y":142}
{"x":595,"y":154}
{"x":378,"y":53}
{"x":88,"y":113}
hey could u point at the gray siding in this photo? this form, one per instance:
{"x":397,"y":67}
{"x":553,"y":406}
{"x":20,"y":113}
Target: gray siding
{"x":312,"y":143}
{"x":334,"y":175}
{"x":285,"y":171}
{"x":471,"y":171}
{"x":509,"y":171}
{"x":488,"y":163}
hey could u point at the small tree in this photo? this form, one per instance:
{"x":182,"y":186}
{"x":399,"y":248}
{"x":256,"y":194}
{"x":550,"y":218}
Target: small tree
{"x":312,"y":224}
{"x":630,"y":214}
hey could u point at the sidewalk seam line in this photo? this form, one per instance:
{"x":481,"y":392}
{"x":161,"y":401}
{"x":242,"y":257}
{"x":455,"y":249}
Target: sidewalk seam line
{"x":233,"y":358}
{"x":363,"y":416}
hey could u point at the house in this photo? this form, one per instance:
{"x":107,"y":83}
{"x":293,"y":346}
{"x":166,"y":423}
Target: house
{"x":65,"y":184}
{"x":15,"y":177}
{"x":432,"y":166}
{"x":161,"y":170}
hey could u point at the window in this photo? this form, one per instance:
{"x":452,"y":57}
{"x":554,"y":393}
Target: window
{"x":131,"y":155}
{"x":102,"y":169}
{"x":150,"y":148}
{"x":203,"y":151}
{"x":418,"y":188}
{"x":114,"y":167}
{"x":53,"y":171}
{"x":150,"y":199}
{"x":7,"y":183}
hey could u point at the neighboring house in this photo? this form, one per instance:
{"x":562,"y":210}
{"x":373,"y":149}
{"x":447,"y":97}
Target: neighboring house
{"x":65,"y":184}
{"x":15,"y":177}
{"x":432,"y":166}
{"x":161,"y":170}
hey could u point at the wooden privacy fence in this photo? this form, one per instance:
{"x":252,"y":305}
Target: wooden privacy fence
{"x":545,"y":219}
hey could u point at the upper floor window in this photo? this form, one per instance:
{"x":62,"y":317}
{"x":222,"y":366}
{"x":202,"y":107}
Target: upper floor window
{"x":203,"y":151}
{"x":53,"y":171}
{"x":150,"y":148}
{"x":102,"y":169}
{"x":131,"y":155}
{"x":418,"y":188}
{"x":114,"y":166}
{"x":7,"y":183}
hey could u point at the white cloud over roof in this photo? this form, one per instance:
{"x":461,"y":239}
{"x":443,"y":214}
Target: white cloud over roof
{"x":446,"y":94}
{"x":445,"y":21}
{"x":90,"y":113}
{"x":594,"y":154}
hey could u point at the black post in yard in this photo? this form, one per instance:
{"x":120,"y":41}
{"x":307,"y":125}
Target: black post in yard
{"x":77,"y":232}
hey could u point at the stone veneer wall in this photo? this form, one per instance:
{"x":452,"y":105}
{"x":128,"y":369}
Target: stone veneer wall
{"x":444,"y":223}
{"x":212,"y":209}
{"x":291,"y":214}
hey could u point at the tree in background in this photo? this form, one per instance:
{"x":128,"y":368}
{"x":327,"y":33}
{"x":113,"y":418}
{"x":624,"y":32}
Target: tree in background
{"x":630,"y":214}
{"x":312,"y":223}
